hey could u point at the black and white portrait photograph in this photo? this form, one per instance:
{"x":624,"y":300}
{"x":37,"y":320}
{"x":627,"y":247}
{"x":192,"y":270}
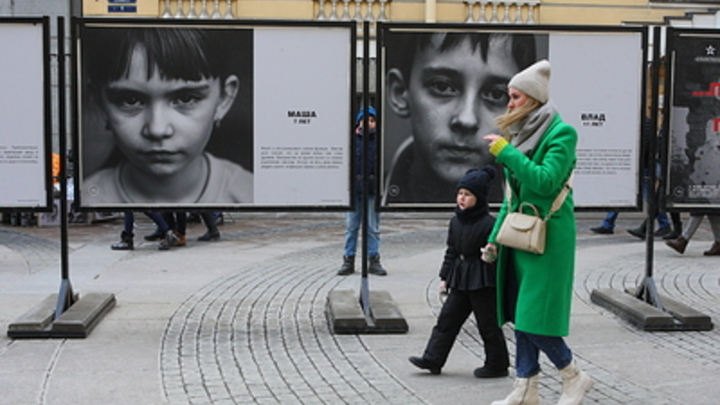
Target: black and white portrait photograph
{"x":694,"y":144}
{"x":443,"y":91}
{"x":166,"y":115}
{"x":444,"y":87}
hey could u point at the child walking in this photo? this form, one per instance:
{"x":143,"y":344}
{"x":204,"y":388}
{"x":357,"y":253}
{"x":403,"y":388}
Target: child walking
{"x":468,"y":281}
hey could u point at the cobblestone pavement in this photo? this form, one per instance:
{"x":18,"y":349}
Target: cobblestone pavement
{"x":257,"y":331}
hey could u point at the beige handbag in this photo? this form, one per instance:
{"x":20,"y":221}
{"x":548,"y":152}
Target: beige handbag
{"x":527,"y":232}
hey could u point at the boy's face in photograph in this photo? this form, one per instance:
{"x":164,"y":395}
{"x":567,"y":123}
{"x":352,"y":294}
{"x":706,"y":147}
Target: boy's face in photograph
{"x":453,"y":97}
{"x":162,"y":125}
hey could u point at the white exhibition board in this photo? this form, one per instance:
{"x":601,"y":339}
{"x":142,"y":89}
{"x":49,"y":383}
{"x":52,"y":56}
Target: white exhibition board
{"x":597,"y":86}
{"x":22,"y":113}
{"x":302,"y":130}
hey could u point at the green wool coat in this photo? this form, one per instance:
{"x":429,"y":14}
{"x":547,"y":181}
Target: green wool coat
{"x":544,"y":282}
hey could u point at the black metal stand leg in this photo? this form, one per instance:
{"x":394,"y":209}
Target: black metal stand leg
{"x":66,"y":298}
{"x":647,"y":291}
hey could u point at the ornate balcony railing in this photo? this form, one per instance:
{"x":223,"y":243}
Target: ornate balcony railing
{"x":214,"y":9}
{"x":501,"y":11}
{"x":476,"y":11}
{"x":353,"y":10}
{"x":327,"y":10}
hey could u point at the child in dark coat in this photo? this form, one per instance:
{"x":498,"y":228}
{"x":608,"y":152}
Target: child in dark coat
{"x":468,"y":281}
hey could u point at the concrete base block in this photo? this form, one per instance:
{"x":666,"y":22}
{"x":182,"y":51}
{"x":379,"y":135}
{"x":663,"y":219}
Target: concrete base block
{"x":688,"y":317}
{"x":35,"y":322}
{"x":346,"y":316}
{"x":76,"y":322}
{"x":647,"y":317}
{"x":387,"y":315}
{"x":344,"y":312}
{"x":82,"y":317}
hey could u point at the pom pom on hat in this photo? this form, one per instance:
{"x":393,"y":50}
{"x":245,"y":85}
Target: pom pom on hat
{"x":534,"y":81}
{"x":478,"y":182}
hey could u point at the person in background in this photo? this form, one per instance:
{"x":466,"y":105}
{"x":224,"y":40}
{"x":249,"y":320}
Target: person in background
{"x":353,"y":219}
{"x":665,"y":227}
{"x":680,"y":243}
{"x":127,"y":235}
{"x":177,"y":222}
{"x":607,"y":227}
{"x":211,"y":220}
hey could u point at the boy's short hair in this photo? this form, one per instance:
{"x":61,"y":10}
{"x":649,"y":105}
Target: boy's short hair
{"x":523,"y":46}
{"x":179,"y":53}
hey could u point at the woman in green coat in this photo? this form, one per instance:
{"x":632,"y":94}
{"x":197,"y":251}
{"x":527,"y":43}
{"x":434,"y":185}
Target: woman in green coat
{"x":535,"y":290}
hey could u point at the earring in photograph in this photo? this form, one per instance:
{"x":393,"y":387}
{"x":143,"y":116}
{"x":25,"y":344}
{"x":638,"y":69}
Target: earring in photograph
{"x":217,"y":123}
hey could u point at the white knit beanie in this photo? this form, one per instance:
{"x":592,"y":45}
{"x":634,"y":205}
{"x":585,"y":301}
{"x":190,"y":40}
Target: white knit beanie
{"x":534,"y":81}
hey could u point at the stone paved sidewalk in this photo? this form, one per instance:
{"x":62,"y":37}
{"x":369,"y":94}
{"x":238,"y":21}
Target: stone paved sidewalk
{"x":242,"y":320}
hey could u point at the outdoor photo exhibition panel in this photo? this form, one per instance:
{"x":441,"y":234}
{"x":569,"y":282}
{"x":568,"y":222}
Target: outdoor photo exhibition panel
{"x":693,"y":165}
{"x":442,"y":87}
{"x":24,"y":109}
{"x":214,"y":115}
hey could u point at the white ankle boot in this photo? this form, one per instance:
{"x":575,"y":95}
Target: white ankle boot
{"x":575,"y":384}
{"x":524,"y":393}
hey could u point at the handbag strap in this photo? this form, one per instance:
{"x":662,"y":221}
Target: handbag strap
{"x":558,"y":200}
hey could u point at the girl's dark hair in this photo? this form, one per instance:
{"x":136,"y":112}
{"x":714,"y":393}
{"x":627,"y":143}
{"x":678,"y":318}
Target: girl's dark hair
{"x":523,"y":46}
{"x":179,"y":53}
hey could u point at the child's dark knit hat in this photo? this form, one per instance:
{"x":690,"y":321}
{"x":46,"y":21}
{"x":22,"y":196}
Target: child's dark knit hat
{"x":478,"y":182}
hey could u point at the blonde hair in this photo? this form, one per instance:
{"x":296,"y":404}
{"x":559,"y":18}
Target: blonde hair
{"x":507,"y":120}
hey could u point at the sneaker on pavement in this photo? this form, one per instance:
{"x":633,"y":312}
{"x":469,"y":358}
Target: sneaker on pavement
{"x":601,"y":230}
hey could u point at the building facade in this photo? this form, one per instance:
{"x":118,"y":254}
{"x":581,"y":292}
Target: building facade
{"x":563,"y":12}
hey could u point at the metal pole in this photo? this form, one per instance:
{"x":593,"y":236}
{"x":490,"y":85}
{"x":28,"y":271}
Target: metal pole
{"x":648,"y":291}
{"x":66,"y":297}
{"x":364,"y":168}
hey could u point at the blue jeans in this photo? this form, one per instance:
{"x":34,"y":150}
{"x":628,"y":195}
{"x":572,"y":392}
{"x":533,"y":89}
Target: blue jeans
{"x":129,"y":221}
{"x":609,"y":221}
{"x":527,"y":354}
{"x":353,"y":219}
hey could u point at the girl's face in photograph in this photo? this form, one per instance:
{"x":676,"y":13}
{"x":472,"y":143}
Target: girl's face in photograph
{"x":465,"y":199}
{"x":454,"y":96}
{"x":162,"y":125}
